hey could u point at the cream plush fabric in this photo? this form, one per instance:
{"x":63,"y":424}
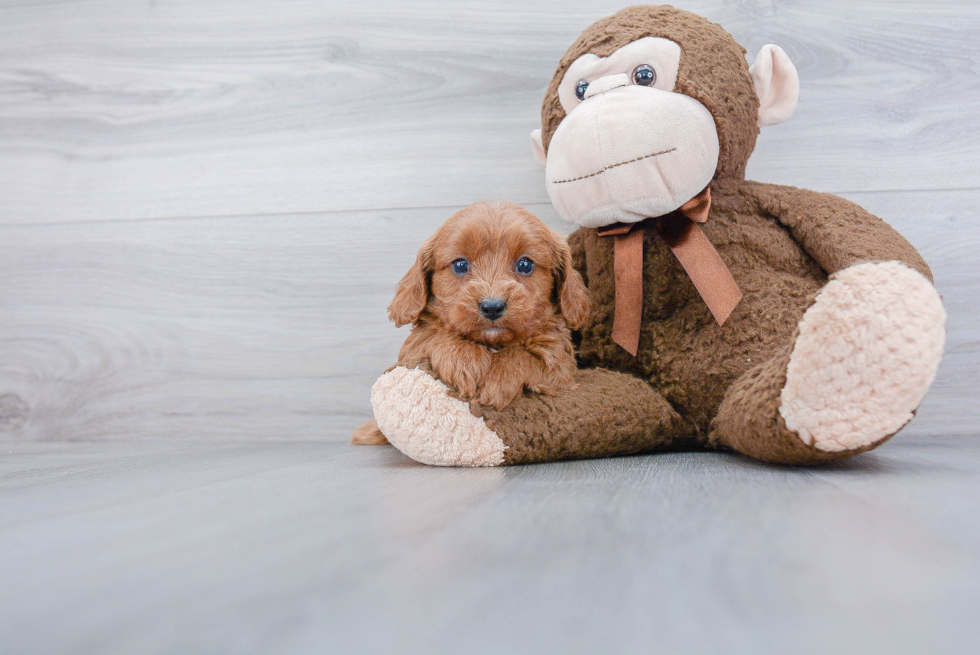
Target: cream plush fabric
{"x":604,"y":168}
{"x":776,"y":83}
{"x":419,"y":417}
{"x":867,"y":352}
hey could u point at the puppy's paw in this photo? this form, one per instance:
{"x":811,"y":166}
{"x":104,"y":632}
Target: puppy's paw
{"x":552,"y":388}
{"x":420,"y":418}
{"x":867,"y":351}
{"x":499,"y":392}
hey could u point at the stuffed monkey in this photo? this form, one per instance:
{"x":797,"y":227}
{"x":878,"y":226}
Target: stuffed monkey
{"x":787,"y":325}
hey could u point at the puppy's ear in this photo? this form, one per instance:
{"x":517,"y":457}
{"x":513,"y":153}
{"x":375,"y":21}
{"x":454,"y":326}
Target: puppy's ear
{"x":573,"y":297}
{"x":412,"y":292}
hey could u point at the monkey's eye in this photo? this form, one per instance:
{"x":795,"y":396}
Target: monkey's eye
{"x":580,"y":89}
{"x":524,"y":266}
{"x":644,"y":75}
{"x":461,"y":267}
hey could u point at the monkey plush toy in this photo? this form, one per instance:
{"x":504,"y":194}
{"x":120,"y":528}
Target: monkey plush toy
{"x":787,"y":325}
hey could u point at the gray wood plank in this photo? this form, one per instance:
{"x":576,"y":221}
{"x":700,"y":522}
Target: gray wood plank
{"x":274,"y":327}
{"x":115,"y":110}
{"x":311,"y":548}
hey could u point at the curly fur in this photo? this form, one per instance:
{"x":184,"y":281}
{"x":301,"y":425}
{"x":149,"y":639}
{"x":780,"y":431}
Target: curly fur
{"x":528,"y":348}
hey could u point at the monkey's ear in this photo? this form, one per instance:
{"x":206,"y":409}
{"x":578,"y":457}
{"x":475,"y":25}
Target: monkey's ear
{"x":538,"y":147}
{"x":412,"y":292}
{"x":573,"y":297}
{"x":776,"y":83}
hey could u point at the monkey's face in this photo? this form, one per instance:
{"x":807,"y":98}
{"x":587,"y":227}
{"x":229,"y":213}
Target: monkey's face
{"x":647,"y":107}
{"x":629,"y":147}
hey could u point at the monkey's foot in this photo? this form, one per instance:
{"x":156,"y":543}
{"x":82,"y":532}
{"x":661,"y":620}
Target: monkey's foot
{"x":867,"y":351}
{"x":419,"y":417}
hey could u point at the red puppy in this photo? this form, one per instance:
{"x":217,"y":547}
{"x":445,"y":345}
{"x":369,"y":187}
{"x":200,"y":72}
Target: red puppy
{"x":491,"y":297}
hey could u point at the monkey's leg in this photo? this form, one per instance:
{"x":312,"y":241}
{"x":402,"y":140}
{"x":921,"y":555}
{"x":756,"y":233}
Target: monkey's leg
{"x":608,"y":414}
{"x":864,"y":355}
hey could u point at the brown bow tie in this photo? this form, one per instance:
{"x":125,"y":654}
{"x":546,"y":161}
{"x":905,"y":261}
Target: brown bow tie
{"x":687,"y":241}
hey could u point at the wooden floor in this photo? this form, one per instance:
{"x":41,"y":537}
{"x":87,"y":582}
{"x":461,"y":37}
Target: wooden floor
{"x":204,"y":207}
{"x":318,"y":547}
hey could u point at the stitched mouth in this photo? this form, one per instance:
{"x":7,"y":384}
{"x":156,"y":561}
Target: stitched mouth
{"x":606,"y":168}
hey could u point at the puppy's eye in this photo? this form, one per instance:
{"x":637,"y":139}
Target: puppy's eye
{"x":580,"y":89}
{"x":644,"y":75}
{"x":461,"y":267}
{"x":524,"y":266}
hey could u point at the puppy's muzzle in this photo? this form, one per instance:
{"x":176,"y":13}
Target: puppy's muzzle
{"x":492,"y":308}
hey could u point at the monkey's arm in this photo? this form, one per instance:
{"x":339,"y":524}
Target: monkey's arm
{"x":837,"y":233}
{"x":606,"y":413}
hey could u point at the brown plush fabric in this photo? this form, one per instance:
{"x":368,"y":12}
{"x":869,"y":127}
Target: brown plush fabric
{"x":683,"y":352}
{"x":713,"y":71}
{"x":835,"y":232}
{"x":748,"y":420}
{"x":631,"y":417}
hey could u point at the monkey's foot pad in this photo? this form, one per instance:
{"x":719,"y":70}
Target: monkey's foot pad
{"x":867,"y":351}
{"x":419,"y":417}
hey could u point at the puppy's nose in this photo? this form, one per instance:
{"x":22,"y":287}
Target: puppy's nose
{"x":492,"y":308}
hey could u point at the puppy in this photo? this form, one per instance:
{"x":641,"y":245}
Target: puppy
{"x":491,"y":298}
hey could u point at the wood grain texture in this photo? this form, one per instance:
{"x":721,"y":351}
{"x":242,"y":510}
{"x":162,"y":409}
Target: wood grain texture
{"x":275,"y":327}
{"x":296,"y":547}
{"x":115,"y":110}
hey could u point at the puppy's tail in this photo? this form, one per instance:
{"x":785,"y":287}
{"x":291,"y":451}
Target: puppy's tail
{"x":368,"y":434}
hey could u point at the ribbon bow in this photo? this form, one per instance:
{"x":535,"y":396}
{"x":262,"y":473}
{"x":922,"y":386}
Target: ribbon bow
{"x":687,"y":241}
